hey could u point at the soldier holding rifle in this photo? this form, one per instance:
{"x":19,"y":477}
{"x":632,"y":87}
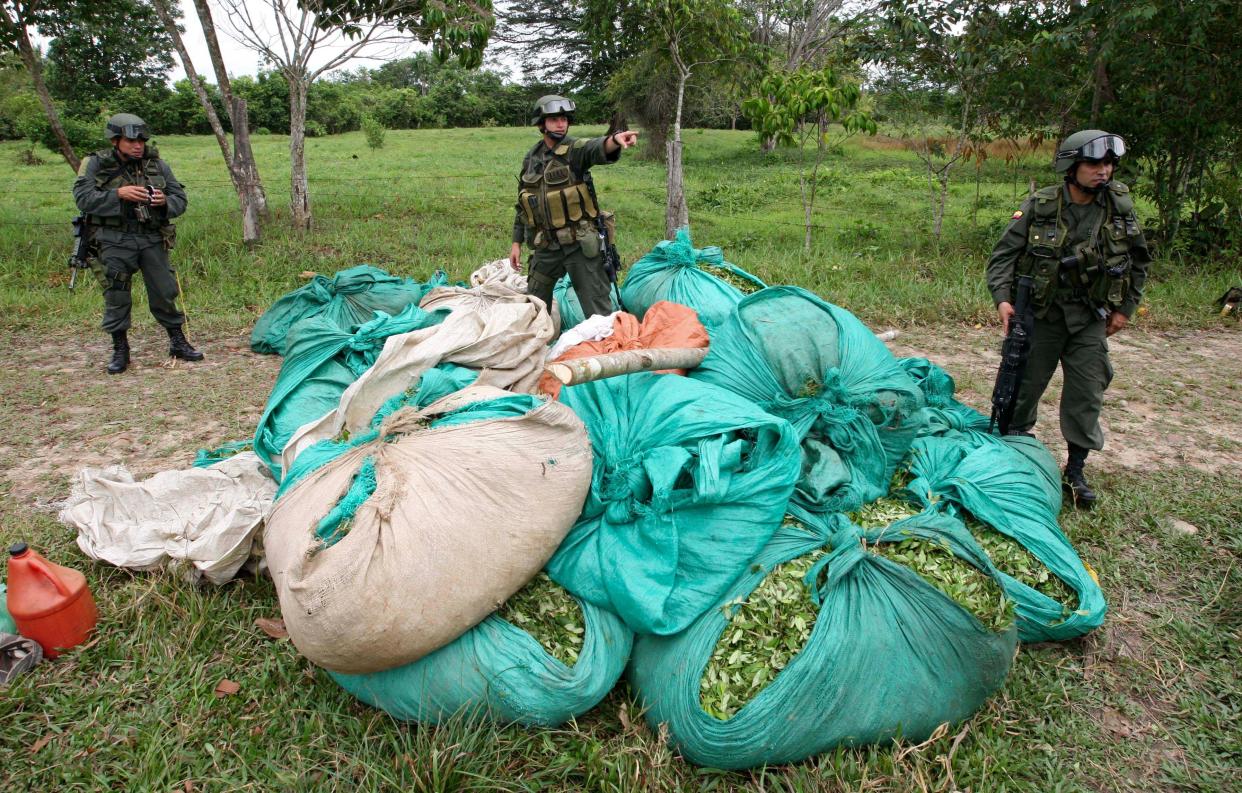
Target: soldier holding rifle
{"x":1083,"y":251}
{"x":128,"y":196}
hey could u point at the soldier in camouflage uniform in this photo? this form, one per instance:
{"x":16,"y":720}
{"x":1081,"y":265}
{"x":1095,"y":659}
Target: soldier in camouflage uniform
{"x":129,"y":195}
{"x":1083,"y":247}
{"x":556,"y":207}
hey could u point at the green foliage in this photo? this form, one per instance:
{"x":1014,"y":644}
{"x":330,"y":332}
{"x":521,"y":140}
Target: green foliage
{"x":458,"y":28}
{"x":552,"y":617}
{"x":84,"y":135}
{"x":374,"y":132}
{"x":97,"y":48}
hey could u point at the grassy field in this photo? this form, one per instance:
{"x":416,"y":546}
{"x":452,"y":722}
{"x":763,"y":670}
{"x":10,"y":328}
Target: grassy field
{"x":1151,"y":701}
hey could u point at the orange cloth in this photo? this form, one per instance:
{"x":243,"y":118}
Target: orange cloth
{"x":666,"y":325}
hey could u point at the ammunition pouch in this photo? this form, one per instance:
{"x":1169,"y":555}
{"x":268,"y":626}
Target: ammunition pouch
{"x":169,"y":232}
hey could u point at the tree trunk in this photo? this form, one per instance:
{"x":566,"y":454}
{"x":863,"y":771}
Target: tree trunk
{"x":213,"y":49}
{"x":676,"y":214}
{"x":299,"y":189}
{"x":45,"y":98}
{"x":249,"y":189}
{"x":597,"y":367}
{"x":242,"y":169}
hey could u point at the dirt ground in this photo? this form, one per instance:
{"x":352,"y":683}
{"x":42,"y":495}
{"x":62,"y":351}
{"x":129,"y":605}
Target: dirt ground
{"x":1176,"y":401}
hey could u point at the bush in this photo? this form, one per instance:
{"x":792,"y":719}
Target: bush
{"x":263,"y":131}
{"x":85,"y":136}
{"x":314,"y":129}
{"x":374,"y":131}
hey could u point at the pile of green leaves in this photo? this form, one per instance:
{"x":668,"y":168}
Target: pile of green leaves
{"x":766,"y":630}
{"x":1012,"y":558}
{"x":743,"y":285}
{"x":546,"y":610}
{"x":967,"y":586}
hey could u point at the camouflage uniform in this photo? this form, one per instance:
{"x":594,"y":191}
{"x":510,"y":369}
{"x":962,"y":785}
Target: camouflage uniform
{"x":1070,"y":319}
{"x":127,"y":244}
{"x":555,"y":216}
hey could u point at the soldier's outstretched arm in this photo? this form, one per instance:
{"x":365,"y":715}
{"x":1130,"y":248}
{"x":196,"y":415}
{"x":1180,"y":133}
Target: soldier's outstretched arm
{"x":90,"y":199}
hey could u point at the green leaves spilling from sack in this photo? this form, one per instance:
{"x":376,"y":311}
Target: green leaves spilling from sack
{"x":827,"y":640}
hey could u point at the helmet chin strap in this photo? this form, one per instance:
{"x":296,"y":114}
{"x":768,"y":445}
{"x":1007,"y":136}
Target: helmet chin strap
{"x":1072,"y":178}
{"x":556,"y":136}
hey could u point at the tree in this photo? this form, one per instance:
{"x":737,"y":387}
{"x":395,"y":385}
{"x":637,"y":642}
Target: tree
{"x":18,"y":17}
{"x":97,"y":49}
{"x":301,"y":48}
{"x":693,"y":34}
{"x":240,"y":161}
{"x":794,"y":107}
{"x":935,"y":56}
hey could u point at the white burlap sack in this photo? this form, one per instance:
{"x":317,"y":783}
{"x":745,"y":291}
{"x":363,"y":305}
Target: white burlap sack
{"x":499,"y":272}
{"x":206,"y":517}
{"x":491,"y":329}
{"x":461,"y":518}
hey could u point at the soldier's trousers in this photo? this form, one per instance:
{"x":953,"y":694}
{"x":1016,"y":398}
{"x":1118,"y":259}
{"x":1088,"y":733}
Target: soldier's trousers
{"x":123,"y":254}
{"x":1083,"y":356}
{"x":586,"y":273}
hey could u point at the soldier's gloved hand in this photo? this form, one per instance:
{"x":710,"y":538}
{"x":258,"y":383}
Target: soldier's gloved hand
{"x":1004,"y":311}
{"x":515,"y":256}
{"x":158,"y":199}
{"x":132,"y":193}
{"x":1116,"y":321}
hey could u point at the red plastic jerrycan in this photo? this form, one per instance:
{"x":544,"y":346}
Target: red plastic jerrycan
{"x":49,"y":603}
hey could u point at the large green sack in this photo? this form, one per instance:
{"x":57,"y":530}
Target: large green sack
{"x":689,"y":482}
{"x":1002,"y":484}
{"x":568,"y":306}
{"x":349,"y":298}
{"x":322,"y":360}
{"x":887,"y":655}
{"x":1013,"y":486}
{"x":854,"y":408}
{"x":672,"y":272}
{"x":499,"y":670}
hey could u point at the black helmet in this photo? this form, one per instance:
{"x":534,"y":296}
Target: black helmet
{"x":552,"y":105}
{"x":126,"y":125}
{"x":1088,"y":144}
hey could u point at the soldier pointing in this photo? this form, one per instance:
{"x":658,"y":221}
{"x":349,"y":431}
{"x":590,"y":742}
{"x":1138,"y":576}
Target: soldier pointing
{"x":557,"y":207}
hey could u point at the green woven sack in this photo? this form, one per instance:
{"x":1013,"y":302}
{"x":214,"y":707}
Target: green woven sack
{"x":689,"y":482}
{"x":887,"y":655}
{"x":498,"y":670}
{"x":1008,"y":485}
{"x":569,"y":307}
{"x":854,"y":408}
{"x":321,"y":362}
{"x":349,"y":298}
{"x":677,"y":271}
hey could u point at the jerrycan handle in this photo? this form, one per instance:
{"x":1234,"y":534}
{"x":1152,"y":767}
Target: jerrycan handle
{"x":19,"y":550}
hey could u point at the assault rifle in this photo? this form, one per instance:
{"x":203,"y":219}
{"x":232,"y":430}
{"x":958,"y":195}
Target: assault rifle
{"x":85,"y":248}
{"x":612,"y":259}
{"x":1014,"y":353}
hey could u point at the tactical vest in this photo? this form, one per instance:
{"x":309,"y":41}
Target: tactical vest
{"x":552,"y":198}
{"x":1101,"y":273}
{"x":112,"y":175}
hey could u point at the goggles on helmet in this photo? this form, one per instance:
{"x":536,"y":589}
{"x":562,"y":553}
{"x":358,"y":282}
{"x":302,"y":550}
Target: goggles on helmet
{"x":1098,"y":149}
{"x":132,"y":131}
{"x":558,"y":107}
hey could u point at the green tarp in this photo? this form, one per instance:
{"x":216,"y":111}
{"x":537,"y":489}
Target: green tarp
{"x":689,"y":482}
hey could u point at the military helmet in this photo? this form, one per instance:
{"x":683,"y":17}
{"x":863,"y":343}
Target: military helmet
{"x":126,"y":125}
{"x":552,"y":105}
{"x":1088,"y":144}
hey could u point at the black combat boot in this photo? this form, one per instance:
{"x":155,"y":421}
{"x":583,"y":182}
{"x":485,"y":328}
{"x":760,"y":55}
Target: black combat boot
{"x":120,"y":352}
{"x":179,"y":346}
{"x":1074,"y":482}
